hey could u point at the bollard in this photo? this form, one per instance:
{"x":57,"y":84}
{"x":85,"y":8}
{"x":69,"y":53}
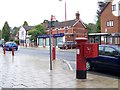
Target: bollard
{"x":4,"y":50}
{"x":26,"y":45}
{"x":66,"y":47}
{"x":53,"y":53}
{"x":12,"y":51}
{"x":71,"y":46}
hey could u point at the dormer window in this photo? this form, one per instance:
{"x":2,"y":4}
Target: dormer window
{"x":114,"y":7}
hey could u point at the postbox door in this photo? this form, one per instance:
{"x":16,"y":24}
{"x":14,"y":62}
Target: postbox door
{"x":81,"y":60}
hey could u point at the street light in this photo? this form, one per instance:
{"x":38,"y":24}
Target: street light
{"x":65,"y":15}
{"x":65,"y":23}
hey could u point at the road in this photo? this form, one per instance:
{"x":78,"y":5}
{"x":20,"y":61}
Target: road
{"x":60,"y":54}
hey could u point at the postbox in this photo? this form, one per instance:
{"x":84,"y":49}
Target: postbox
{"x":81,"y":60}
{"x":84,"y":50}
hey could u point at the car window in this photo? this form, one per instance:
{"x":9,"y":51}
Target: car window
{"x":109,"y":51}
{"x":101,"y":50}
{"x":118,"y":48}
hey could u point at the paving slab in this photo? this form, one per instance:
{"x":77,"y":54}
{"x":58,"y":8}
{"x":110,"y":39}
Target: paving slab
{"x":25,"y":71}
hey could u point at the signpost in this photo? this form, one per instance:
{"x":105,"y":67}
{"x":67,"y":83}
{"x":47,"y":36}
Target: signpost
{"x":50,"y":35}
{"x":50,"y":50}
{"x":51,"y":25}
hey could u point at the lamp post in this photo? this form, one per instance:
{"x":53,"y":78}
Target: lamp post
{"x":65,"y":23}
{"x":65,"y":13}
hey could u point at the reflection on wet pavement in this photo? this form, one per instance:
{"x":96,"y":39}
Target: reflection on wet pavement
{"x":25,"y":71}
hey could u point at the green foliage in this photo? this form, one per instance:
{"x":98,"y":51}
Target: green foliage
{"x":39,"y":29}
{"x":17,"y":42}
{"x":6,"y":32}
{"x":98,"y":24}
{"x":11,"y":39}
{"x":0,"y":34}
{"x":15,"y":31}
{"x":25,"y":23}
{"x":92,"y":28}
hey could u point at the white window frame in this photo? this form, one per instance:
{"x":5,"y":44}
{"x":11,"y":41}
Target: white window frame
{"x":107,"y":23}
{"x":110,"y":23}
{"x":114,"y":7}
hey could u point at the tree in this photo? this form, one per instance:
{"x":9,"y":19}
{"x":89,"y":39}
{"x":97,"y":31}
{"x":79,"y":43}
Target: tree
{"x":15,"y":31}
{"x":98,"y":24}
{"x":6,"y":32}
{"x":25,"y":23}
{"x":92,"y":28}
{"x":0,"y":34}
{"x":101,"y":5}
{"x":38,"y":29}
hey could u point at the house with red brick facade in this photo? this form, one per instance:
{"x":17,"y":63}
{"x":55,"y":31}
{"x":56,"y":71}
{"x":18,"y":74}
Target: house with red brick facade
{"x":64,"y":31}
{"x":110,"y":21}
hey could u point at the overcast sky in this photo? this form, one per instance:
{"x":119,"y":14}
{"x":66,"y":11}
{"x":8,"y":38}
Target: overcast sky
{"x":35,"y":11}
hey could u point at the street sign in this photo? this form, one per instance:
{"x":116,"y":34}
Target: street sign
{"x":58,"y":35}
{"x":48,"y":35}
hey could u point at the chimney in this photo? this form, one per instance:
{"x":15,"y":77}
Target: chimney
{"x":77,"y":15}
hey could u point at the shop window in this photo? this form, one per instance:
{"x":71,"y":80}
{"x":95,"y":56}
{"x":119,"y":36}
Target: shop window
{"x":47,"y":41}
{"x":41,"y":42}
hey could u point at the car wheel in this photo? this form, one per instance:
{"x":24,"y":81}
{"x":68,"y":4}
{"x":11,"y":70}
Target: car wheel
{"x":88,"y":66}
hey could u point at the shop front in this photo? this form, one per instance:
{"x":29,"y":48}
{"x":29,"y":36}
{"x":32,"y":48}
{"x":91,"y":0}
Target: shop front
{"x":43,"y":40}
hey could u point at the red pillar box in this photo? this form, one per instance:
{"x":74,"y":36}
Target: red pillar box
{"x":80,"y":59}
{"x":53,"y":53}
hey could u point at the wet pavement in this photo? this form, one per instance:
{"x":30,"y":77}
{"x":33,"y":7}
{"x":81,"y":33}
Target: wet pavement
{"x":25,"y":71}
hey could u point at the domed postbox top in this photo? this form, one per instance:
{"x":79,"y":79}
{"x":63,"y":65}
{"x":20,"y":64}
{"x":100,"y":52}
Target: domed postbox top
{"x":81,"y":39}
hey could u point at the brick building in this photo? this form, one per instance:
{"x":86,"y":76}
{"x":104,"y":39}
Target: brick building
{"x":64,"y":31}
{"x":110,"y":21}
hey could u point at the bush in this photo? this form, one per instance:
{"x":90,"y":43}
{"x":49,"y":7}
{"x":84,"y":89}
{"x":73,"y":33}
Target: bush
{"x":17,"y":42}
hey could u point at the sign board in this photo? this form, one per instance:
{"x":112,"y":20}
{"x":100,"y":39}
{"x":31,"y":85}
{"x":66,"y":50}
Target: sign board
{"x":48,"y":35}
{"x":58,"y":35}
